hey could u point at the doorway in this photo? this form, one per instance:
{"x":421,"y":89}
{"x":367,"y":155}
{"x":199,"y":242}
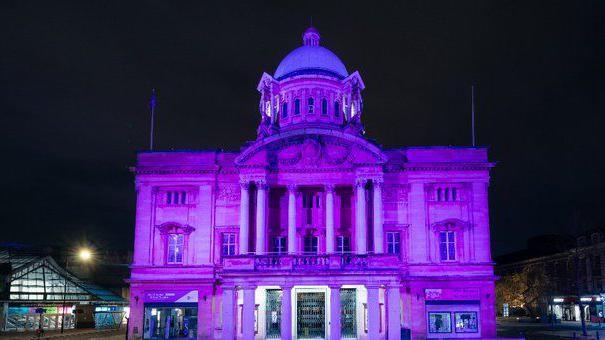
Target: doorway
{"x":310,"y":315}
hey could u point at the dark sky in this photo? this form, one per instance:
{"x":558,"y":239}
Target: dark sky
{"x":75,"y":79}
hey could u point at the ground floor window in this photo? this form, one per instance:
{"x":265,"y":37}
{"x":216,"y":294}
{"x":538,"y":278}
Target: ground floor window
{"x":440,"y":322}
{"x":466,"y":322}
{"x":170,"y":321}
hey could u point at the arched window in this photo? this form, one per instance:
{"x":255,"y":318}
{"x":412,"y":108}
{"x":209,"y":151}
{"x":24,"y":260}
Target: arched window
{"x":296,"y":107}
{"x":454,"y":194}
{"x":447,"y":194}
{"x":336,"y":109}
{"x":324,"y":107}
{"x":439,"y":198}
{"x":284,"y":110}
{"x":311,"y":105}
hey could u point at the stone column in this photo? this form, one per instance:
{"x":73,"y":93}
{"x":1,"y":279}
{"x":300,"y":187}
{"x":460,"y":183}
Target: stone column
{"x":393,"y":313}
{"x":244,"y":217}
{"x":248,"y":313}
{"x":261,"y":194}
{"x":329,"y":218}
{"x":286,"y":312}
{"x":378,"y":220}
{"x":228,"y":312}
{"x":373,"y":312}
{"x":292,"y":242}
{"x":334,"y":311}
{"x":360,"y":217}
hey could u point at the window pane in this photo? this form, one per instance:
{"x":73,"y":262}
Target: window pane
{"x":284,"y":110}
{"x":443,"y":251}
{"x":452,"y":252}
{"x":442,"y":236}
{"x":336,"y":109}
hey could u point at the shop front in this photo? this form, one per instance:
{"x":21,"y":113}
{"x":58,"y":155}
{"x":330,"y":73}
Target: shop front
{"x":170,"y":314}
{"x":453,"y":313}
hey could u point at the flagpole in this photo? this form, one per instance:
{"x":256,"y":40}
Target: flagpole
{"x":152,"y":103}
{"x":473,"y":113}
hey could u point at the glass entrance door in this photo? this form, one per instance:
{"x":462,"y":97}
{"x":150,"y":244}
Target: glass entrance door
{"x":167,"y":322}
{"x":348,"y":315}
{"x":273,"y":316}
{"x":311,"y":315}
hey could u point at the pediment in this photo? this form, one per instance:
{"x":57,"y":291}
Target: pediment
{"x":311,"y":151}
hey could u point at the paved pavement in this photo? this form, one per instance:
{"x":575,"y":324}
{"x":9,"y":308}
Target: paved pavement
{"x":539,"y":331}
{"x":72,"y":334}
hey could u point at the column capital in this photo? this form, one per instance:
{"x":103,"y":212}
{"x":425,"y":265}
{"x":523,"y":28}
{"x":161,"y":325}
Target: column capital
{"x":360,"y":182}
{"x":329,"y":187}
{"x":292,"y":187}
{"x":261,"y":184}
{"x":248,"y":286}
{"x":378,"y":182}
{"x":244,"y":184}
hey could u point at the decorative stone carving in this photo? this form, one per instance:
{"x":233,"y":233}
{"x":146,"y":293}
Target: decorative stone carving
{"x":229,"y":192}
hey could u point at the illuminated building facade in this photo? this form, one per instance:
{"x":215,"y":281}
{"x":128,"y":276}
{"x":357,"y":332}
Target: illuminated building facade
{"x":312,"y":230}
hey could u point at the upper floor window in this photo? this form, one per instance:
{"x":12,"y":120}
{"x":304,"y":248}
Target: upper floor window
{"x":278,"y":245}
{"x":175,"y":248}
{"x":228,"y":244}
{"x":310,"y":200}
{"x":393,"y":242}
{"x":336,"y":109}
{"x":447,"y":245}
{"x":343,"y":244}
{"x":310,"y":245}
{"x":447,"y":194}
{"x":296,"y":107}
{"x":284,"y":110}
{"x":324,"y":107}
{"x":176,"y":197}
{"x":310,"y":105}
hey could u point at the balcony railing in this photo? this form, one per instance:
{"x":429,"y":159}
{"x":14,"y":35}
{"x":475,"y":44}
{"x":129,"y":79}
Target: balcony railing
{"x":279,"y":262}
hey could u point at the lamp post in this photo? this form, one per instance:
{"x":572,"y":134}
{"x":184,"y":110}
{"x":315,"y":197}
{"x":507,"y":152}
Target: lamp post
{"x":84,"y":255}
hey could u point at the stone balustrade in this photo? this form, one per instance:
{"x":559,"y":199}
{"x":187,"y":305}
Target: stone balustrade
{"x":313,"y":262}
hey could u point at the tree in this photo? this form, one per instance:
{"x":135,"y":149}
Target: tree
{"x":524,"y":289}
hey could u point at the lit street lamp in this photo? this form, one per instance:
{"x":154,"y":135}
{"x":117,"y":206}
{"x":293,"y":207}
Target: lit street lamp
{"x":85,"y":255}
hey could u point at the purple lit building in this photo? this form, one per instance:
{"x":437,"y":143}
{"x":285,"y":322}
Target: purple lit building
{"x":312,"y":230}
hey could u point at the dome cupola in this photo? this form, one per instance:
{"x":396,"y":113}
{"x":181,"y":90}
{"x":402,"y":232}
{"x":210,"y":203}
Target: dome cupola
{"x":311,"y":87}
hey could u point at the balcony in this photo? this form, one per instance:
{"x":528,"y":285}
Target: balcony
{"x":312,"y":262}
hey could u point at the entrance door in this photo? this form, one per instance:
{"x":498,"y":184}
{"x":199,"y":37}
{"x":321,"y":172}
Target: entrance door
{"x":273,"y":316}
{"x":311,"y":315}
{"x":348,"y":315}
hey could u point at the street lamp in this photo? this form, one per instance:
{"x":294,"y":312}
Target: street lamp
{"x":84,"y":255}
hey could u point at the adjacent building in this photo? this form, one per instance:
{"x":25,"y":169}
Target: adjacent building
{"x":574,"y":269}
{"x":313,"y":230}
{"x":36,"y":292}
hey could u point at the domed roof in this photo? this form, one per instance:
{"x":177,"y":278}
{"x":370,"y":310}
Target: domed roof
{"x":311,"y":59}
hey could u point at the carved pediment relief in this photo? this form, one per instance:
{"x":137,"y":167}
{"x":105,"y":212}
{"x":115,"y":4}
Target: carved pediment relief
{"x":311,"y":151}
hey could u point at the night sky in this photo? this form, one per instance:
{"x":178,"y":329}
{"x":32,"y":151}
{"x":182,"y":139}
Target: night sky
{"x":75,"y":80}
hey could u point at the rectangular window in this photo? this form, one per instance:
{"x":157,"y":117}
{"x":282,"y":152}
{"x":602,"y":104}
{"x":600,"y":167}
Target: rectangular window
{"x":297,"y":107}
{"x":393,"y":243}
{"x":175,"y":248}
{"x":447,"y":246}
{"x":343,"y":244}
{"x":466,"y":322}
{"x":440,"y":322}
{"x":278,"y":245}
{"x":228,"y":244}
{"x":311,"y":245}
{"x":176,"y":197}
